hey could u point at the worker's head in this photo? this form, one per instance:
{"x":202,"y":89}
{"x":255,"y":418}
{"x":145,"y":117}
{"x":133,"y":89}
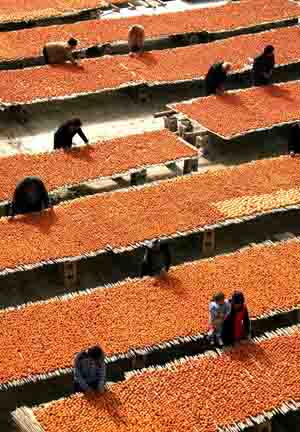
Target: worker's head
{"x":226,"y":66}
{"x":237,"y":300}
{"x":269,"y":50}
{"x":74,"y":124}
{"x":72,"y":42}
{"x":96,"y":353}
{"x":31,"y":185}
{"x":136,"y":31}
{"x":219,"y":298}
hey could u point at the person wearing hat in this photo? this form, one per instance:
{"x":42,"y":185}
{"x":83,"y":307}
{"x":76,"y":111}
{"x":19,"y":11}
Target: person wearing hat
{"x":90,"y":370}
{"x":157,"y":259}
{"x":263,"y":66}
{"x":64,"y":135}
{"x":236,"y":326}
{"x":216,"y":77}
{"x":60,"y":52}
{"x":30,"y":196}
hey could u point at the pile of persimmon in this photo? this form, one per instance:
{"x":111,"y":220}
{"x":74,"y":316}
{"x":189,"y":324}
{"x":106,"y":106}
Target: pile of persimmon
{"x":122,"y":318}
{"x":57,"y":169}
{"x":202,"y":394}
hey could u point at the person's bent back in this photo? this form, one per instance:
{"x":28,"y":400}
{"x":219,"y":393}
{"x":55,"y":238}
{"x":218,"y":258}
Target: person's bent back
{"x":30,"y":196}
{"x":60,"y":52}
{"x":63,"y":137}
{"x":216,"y":77}
{"x":136,"y":40}
{"x":263,"y":66}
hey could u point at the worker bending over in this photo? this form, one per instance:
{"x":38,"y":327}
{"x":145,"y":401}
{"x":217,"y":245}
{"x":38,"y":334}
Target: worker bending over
{"x":63,"y":137}
{"x":60,"y":52}
{"x":90,"y":370}
{"x":30,"y":196}
{"x":136,"y":40}
{"x":157,"y":260}
{"x":216,"y":77}
{"x":263,"y":66}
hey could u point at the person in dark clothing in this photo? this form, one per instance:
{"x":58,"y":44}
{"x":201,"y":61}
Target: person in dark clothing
{"x":136,"y":40}
{"x":30,"y":196}
{"x":294,"y":140}
{"x":60,"y":52}
{"x":263,"y":66}
{"x":64,"y":135}
{"x":236,"y":326}
{"x":216,"y":77}
{"x":157,"y":260}
{"x":90,"y":370}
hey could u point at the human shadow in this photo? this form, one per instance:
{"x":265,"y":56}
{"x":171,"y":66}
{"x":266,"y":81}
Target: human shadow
{"x":69,"y":67}
{"x":84,"y":153}
{"x":171,"y":282}
{"x":230,"y":98}
{"x":278,"y":92}
{"x":147,"y":59}
{"x":42,"y":220}
{"x":109,"y":402}
{"x":248,"y":352}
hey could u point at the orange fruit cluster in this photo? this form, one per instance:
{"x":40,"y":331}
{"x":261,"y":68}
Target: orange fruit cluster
{"x":103,"y":159}
{"x":202,"y":394}
{"x":256,"y":108}
{"x":42,"y":337}
{"x":95,"y":32}
{"x":16,"y":10}
{"x":183,"y":63}
{"x":156,"y":66}
{"x":54,"y":81}
{"x":225,"y":17}
{"x":123,"y":218}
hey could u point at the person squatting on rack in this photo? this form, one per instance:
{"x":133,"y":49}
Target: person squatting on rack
{"x":90,"y":370}
{"x":30,"y":196}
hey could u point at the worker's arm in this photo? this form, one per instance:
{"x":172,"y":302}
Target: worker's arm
{"x":71,"y":58}
{"x":102,"y":377}
{"x":77,"y":373}
{"x":82,"y":136}
{"x":247,"y":324}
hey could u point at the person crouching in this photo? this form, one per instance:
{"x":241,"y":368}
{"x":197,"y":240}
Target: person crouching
{"x":90,"y":370}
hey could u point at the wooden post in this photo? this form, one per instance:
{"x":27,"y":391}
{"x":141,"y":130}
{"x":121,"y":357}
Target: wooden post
{"x":195,"y":163}
{"x":171,"y":123}
{"x":138,"y":178}
{"x":208,"y":243}
{"x":138,"y":362}
{"x":188,"y":166}
{"x":143,"y":94}
{"x":264,"y":427}
{"x":184,"y":126}
{"x":71,"y":276}
{"x":201,"y":141}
